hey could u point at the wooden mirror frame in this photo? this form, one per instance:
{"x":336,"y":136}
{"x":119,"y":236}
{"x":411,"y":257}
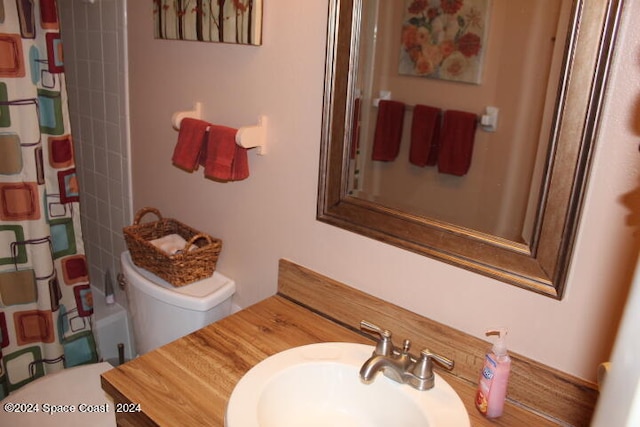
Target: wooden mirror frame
{"x":541,"y":266}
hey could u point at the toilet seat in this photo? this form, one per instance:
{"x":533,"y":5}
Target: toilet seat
{"x":79,"y":387}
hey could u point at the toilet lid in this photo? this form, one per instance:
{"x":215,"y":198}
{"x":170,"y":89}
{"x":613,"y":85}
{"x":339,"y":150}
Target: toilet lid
{"x":78,"y":388}
{"x":202,"y":295}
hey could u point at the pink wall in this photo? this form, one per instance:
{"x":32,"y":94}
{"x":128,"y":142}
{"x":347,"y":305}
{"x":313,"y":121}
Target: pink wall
{"x":272,"y":214}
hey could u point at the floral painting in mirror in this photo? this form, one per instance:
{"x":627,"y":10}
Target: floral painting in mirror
{"x":444,"y":39}
{"x":224,"y":21}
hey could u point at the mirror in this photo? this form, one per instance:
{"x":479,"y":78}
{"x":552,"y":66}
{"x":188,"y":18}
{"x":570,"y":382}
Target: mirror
{"x":528,"y":241}
{"x":509,"y":48}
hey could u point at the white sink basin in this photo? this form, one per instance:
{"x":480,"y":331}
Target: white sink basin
{"x":319,"y":385}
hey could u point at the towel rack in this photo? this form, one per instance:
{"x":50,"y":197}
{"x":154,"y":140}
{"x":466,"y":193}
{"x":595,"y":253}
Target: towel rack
{"x":247,"y":136}
{"x":488,"y":121}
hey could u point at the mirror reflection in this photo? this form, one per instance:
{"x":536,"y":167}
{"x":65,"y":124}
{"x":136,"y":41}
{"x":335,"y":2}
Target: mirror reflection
{"x":508,"y":206}
{"x":425,"y":70}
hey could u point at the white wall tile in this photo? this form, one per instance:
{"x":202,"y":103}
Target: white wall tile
{"x":95,"y":46}
{"x":94,"y":40}
{"x":109,"y":19}
{"x":82,"y":78}
{"x":113,"y":136}
{"x":112,"y":107}
{"x":94,"y":21}
{"x":114,"y":163}
{"x":110,"y":48}
{"x":79,"y":15}
{"x":99,"y":134}
{"x":100,"y":160}
{"x":81,"y":45}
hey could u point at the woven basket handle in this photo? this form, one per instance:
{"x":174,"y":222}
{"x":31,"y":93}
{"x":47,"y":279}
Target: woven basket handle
{"x":142,"y":212}
{"x":194,"y":239}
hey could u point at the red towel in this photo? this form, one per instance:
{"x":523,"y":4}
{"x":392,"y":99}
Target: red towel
{"x":225,"y":160}
{"x":355,"y":129}
{"x":190,"y":141}
{"x":425,"y":135}
{"x":456,"y":143}
{"x":386,"y":142}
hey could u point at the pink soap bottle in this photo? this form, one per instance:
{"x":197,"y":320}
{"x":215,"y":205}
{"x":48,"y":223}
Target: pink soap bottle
{"x":492,"y":386}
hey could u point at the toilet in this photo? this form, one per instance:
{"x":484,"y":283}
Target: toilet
{"x":74,"y":389}
{"x":160,"y":313}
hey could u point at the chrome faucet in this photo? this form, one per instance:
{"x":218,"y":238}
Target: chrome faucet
{"x":398,"y":364}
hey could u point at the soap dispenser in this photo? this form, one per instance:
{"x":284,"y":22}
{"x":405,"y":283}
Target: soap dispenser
{"x":492,"y":386}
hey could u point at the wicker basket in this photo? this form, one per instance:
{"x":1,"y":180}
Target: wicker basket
{"x":188,"y":266}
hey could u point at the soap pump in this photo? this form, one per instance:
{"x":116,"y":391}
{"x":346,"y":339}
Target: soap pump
{"x":492,"y":386}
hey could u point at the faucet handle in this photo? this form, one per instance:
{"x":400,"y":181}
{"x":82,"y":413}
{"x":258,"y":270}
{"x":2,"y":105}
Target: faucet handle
{"x":385,"y":345}
{"x":428,"y":355}
{"x":423,"y":369}
{"x":364,"y":324}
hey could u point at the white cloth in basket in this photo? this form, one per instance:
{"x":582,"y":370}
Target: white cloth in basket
{"x":171,"y":244}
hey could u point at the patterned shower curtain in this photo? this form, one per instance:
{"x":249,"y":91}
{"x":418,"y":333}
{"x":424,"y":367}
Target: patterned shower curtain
{"x":45,"y":297}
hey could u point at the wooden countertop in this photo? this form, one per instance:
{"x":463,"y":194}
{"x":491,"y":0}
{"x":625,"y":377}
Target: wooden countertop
{"x":189,"y":381}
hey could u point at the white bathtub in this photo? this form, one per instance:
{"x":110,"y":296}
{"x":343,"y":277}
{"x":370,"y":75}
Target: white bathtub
{"x":111,"y":327}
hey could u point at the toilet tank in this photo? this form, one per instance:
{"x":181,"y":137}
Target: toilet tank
{"x":161,"y":313}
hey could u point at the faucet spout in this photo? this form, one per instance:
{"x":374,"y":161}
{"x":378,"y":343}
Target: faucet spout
{"x":392,"y":368}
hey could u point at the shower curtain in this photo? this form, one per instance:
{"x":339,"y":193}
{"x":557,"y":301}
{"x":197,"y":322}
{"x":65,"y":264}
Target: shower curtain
{"x":45,"y":297}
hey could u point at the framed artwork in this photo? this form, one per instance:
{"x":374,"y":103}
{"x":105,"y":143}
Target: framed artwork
{"x":444,"y":39}
{"x":223,"y":21}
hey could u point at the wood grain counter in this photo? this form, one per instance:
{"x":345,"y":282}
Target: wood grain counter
{"x":188,"y":382}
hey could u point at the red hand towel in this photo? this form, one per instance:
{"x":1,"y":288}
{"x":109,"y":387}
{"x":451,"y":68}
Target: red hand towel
{"x":190,"y":141}
{"x":425,"y":135}
{"x":355,"y":129}
{"x":225,"y":160}
{"x":386,"y":142}
{"x":456,"y":143}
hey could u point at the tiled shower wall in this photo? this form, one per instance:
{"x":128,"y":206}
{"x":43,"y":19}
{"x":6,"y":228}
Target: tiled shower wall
{"x":95,"y":57}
